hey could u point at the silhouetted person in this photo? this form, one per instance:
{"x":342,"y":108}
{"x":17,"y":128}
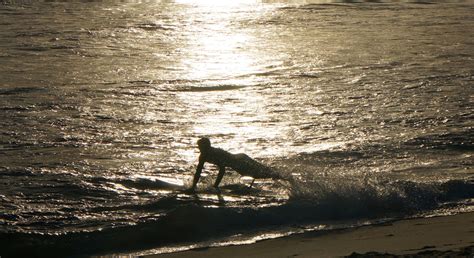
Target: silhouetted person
{"x":241,"y":163}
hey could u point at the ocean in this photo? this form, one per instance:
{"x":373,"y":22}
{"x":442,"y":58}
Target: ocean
{"x":366,"y":105}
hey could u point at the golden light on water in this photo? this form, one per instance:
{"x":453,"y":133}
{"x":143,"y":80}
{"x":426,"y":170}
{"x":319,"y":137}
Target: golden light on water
{"x":221,"y":57}
{"x":228,"y":71}
{"x":220,"y":54}
{"x":217,"y":46}
{"x":216,"y":3}
{"x":229,"y":104}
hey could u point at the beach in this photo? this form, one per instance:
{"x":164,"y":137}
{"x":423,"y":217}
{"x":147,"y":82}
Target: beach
{"x":438,"y":236}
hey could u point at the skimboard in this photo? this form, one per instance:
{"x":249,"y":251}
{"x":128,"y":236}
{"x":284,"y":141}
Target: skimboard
{"x":169,"y":183}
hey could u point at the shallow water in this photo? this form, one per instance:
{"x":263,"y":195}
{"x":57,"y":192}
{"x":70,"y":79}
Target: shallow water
{"x":367,"y":106}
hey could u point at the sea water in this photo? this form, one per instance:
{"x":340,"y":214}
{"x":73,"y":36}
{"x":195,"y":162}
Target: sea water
{"x":366,"y":106}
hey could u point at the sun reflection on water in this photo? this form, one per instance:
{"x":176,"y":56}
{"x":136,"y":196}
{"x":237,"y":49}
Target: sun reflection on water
{"x":217,"y":47}
{"x":229,"y":96}
{"x":214,"y":3}
{"x":220,"y":57}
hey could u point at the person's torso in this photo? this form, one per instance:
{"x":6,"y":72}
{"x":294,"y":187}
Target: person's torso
{"x":218,"y":157}
{"x":241,"y":163}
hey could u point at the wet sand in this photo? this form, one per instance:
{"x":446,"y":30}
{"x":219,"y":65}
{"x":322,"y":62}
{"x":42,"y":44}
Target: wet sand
{"x":438,"y":236}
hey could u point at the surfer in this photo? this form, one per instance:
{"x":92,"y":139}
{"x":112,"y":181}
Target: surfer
{"x":241,"y":163}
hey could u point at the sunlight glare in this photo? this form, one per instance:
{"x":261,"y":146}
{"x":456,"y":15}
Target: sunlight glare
{"x":218,"y":3}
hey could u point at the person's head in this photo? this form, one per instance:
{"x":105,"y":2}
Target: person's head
{"x":204,"y":144}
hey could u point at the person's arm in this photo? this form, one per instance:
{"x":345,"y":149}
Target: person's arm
{"x":197,"y":175}
{"x":219,"y":176}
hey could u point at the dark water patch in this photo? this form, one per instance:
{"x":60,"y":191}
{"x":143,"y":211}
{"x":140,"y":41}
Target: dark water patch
{"x":153,"y":27}
{"x":156,"y":85}
{"x":104,"y":117}
{"x":142,"y":82}
{"x":463,"y":141}
{"x":33,"y":48}
{"x":133,"y":92}
{"x":9,"y":217}
{"x":17,"y":108}
{"x":268,"y":73}
{"x":19,"y":172}
{"x":62,"y":47}
{"x":331,"y":156}
{"x":34,"y":146}
{"x":427,"y":121}
{"x":210,"y":88}
{"x":37,"y":34}
{"x":21,"y":90}
{"x":318,"y":6}
{"x":463,"y":117}
{"x":448,"y":77}
{"x":12,"y":12}
{"x":77,"y":190}
{"x":162,"y":205}
{"x":308,"y":75}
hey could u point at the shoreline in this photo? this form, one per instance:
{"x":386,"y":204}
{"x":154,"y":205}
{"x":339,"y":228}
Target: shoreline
{"x":448,"y":235}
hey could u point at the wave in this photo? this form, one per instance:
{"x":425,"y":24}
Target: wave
{"x":21,"y":90}
{"x":453,"y":140}
{"x":369,"y":197}
{"x":191,"y":219}
{"x":153,"y":27}
{"x":209,"y":88}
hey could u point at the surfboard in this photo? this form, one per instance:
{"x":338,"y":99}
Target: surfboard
{"x":180,"y":186}
{"x":169,"y":183}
